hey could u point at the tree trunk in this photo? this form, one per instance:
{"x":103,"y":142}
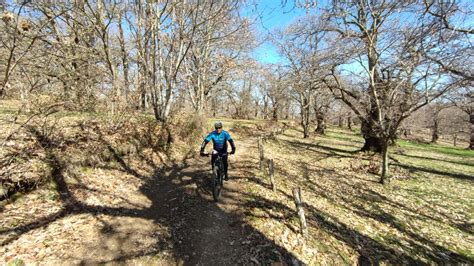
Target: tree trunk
{"x":265,"y":107}
{"x":25,"y":99}
{"x":321,"y":127}
{"x":435,"y":133}
{"x":305,"y":108}
{"x":275,"y":111}
{"x":124,"y":56}
{"x":305,"y":130}
{"x":385,"y":171}
{"x":143,"y":101}
{"x":471,"y":119}
{"x":4,"y":85}
{"x":372,"y":142}
{"x":256,"y":109}
{"x":349,"y":122}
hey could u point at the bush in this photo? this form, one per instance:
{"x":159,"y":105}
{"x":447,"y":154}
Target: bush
{"x":189,"y":127}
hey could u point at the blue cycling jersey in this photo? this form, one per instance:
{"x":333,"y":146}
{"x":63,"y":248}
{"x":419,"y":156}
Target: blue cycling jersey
{"x":219,"y":140}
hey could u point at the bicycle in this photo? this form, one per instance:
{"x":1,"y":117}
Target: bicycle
{"x":217,"y":175}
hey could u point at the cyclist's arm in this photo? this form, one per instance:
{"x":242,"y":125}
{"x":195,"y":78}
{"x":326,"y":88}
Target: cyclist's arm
{"x":232,"y":144}
{"x":204,"y":143}
{"x":203,"y":146}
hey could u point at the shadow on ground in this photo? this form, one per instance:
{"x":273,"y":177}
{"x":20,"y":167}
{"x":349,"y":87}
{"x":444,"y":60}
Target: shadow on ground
{"x":203,"y":232}
{"x":200,"y":230}
{"x":360,"y":198}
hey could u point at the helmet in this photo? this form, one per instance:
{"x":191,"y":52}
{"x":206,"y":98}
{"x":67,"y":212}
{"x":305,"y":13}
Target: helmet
{"x":218,"y":124}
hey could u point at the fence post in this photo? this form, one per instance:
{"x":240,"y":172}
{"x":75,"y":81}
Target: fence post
{"x":271,"y":171}
{"x":260,"y":152}
{"x":300,"y":210}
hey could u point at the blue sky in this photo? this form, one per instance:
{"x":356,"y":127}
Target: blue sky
{"x":273,"y":16}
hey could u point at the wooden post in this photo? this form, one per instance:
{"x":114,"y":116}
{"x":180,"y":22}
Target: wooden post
{"x":260,"y":152}
{"x":300,"y":210}
{"x":271,"y":171}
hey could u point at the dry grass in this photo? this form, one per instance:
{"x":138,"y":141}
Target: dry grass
{"x":424,"y":216}
{"x":96,"y":204}
{"x":90,"y":201}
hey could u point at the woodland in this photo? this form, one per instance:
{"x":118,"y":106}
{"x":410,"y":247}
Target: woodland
{"x":368,"y":112}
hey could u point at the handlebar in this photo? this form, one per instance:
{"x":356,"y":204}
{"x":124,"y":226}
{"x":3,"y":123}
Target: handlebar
{"x":206,"y":154}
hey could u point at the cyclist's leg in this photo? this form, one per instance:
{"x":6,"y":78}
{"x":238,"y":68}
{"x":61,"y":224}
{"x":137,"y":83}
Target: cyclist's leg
{"x":224,"y":160}
{"x":213,"y":159}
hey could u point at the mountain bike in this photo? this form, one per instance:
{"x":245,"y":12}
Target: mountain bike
{"x":218,"y":173}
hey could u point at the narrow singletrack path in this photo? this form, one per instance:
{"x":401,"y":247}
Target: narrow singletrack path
{"x":165,"y":217}
{"x":209,"y":233}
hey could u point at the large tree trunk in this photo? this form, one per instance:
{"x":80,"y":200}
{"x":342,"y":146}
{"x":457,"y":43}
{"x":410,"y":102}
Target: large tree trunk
{"x":368,"y":126}
{"x":321,"y":127}
{"x":372,"y":142}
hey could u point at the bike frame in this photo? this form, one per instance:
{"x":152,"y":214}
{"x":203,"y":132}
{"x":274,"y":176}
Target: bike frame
{"x":218,"y":176}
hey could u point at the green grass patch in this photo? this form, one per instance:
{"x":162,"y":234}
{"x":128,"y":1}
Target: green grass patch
{"x":16,"y":262}
{"x":438,"y":148}
{"x":341,"y":136}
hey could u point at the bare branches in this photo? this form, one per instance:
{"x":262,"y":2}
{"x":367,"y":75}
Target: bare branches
{"x":442,"y":11}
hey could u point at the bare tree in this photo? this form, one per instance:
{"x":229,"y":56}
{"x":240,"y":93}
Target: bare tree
{"x":276,"y":91}
{"x":215,"y":48}
{"x":396,"y":79}
{"x":304,"y":53}
{"x":463,"y":99}
{"x":321,"y":106}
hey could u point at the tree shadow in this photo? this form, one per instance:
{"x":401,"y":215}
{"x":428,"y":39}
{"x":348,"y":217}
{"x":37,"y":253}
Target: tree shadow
{"x":347,"y":139}
{"x":200,"y":231}
{"x":321,"y":149}
{"x":412,"y":168}
{"x":369,"y":248}
{"x":437,"y":159}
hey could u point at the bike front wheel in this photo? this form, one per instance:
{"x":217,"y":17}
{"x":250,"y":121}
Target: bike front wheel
{"x":216,"y":184}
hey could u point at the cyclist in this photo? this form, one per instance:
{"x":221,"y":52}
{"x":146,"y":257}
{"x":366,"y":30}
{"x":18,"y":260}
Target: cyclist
{"x":219,"y":138}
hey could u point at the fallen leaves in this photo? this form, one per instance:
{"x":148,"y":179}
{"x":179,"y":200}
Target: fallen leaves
{"x":345,"y":194}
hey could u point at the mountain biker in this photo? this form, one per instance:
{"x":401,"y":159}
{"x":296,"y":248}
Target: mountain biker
{"x":219,"y":138}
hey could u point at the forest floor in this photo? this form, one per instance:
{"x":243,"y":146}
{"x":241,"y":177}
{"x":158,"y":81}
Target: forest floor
{"x":138,"y":209}
{"x":144,"y":210}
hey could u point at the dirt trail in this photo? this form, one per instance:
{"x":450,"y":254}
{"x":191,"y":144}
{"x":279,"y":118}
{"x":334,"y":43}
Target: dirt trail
{"x":166,"y":217}
{"x":208,"y":233}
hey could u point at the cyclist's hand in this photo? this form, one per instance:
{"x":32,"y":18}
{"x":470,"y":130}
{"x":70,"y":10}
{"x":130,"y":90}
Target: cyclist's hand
{"x":204,"y":154}
{"x":232,"y":152}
